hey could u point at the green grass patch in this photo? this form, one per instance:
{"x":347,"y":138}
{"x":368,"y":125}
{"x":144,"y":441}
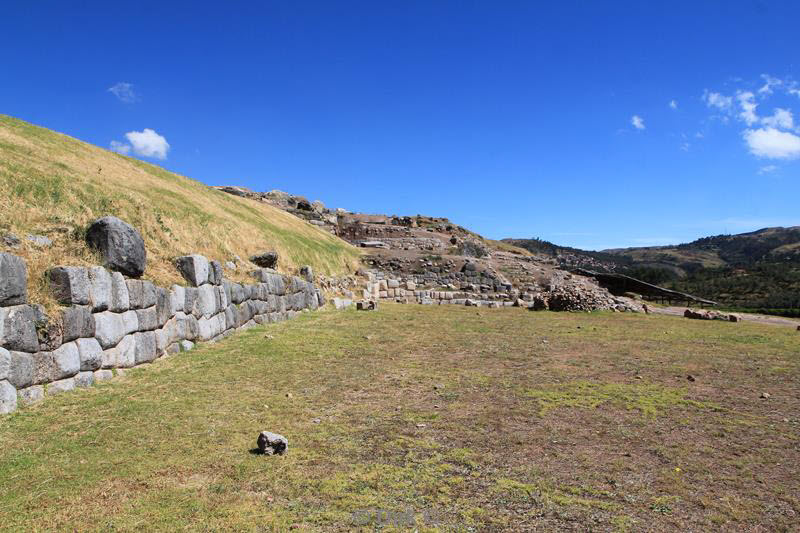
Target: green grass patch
{"x":648,"y":398}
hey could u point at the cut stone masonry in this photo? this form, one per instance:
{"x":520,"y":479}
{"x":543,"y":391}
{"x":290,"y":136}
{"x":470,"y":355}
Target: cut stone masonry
{"x":110,"y":322}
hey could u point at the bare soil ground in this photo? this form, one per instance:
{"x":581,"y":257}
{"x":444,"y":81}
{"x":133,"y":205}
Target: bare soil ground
{"x":428,"y":418}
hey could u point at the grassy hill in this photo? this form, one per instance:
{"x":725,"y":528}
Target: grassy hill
{"x":54,"y":185}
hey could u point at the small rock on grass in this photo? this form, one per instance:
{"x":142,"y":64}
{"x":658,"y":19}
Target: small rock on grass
{"x":272,"y":443}
{"x":766,"y":395}
{"x":690,"y":377}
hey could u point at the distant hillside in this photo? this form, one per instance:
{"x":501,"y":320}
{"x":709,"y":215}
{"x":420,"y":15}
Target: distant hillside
{"x":760,"y":269}
{"x":744,"y":249}
{"x":53,"y":185}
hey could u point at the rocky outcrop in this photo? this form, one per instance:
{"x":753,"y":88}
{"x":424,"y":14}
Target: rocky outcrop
{"x":120,"y":245}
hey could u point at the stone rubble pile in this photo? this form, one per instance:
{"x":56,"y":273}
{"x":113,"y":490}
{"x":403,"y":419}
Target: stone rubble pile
{"x":711,"y":315}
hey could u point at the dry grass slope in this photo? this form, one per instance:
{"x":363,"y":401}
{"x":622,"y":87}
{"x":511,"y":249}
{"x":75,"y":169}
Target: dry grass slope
{"x":54,"y":185}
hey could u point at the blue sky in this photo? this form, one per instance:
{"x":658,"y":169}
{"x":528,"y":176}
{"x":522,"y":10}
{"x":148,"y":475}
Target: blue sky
{"x":515,"y":119}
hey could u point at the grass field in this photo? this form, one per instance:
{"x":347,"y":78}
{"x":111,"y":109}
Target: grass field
{"x":55,"y":185}
{"x":457,"y":418}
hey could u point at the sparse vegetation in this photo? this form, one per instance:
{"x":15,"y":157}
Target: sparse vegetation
{"x":447,"y":417}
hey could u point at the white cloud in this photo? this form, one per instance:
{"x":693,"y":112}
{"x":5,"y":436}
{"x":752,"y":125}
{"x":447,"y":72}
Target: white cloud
{"x":781,"y":118}
{"x":772,"y":143}
{"x":638,"y":122}
{"x":673,"y":104}
{"x":699,"y":135}
{"x":124,"y":92}
{"x":747,"y":101}
{"x":685,"y":146}
{"x":717,"y":100}
{"x":767,"y":169}
{"x":769,"y":83}
{"x":148,"y":143}
{"x":120,"y":148}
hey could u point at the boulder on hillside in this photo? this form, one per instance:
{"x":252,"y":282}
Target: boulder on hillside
{"x":13,"y":280}
{"x":121,"y":246}
{"x":266,"y":259}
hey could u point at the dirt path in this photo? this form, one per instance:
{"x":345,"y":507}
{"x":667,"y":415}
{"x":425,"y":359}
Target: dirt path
{"x":761,"y":319}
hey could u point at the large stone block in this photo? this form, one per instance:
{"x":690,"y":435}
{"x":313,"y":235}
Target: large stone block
{"x":99,"y":288}
{"x":30,"y":395}
{"x":103,"y":375}
{"x":205,"y":329}
{"x":162,"y":340}
{"x":130,"y":321}
{"x":215,"y":273}
{"x":84,"y":379}
{"x":222,"y":297}
{"x":21,"y":369}
{"x":57,"y":387}
{"x":109,"y":328}
{"x":230,"y":317}
{"x":145,"y":347}
{"x":163,"y":306}
{"x":206,"y":304}
{"x":13,"y":280}
{"x":261,"y":274}
{"x":174,"y":328}
{"x":226,"y":286}
{"x":177,"y":299}
{"x":278,"y":284}
{"x":148,"y":294}
{"x":194,"y":269}
{"x":135,"y":293}
{"x":148,"y":319}
{"x":119,"y":294}
{"x":191,"y":299}
{"x":5,"y":363}
{"x":120,"y":245}
{"x":8,"y":398}
{"x":91,"y":354}
{"x":66,"y":360}
{"x":123,"y":355}
{"x":70,"y":285}
{"x":192,"y":328}
{"x":237,"y":293}
{"x":221,"y":323}
{"x":18,"y":328}
{"x":272,"y":303}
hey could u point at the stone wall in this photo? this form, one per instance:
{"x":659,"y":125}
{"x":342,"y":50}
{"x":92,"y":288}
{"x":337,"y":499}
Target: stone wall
{"x":109,"y":323}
